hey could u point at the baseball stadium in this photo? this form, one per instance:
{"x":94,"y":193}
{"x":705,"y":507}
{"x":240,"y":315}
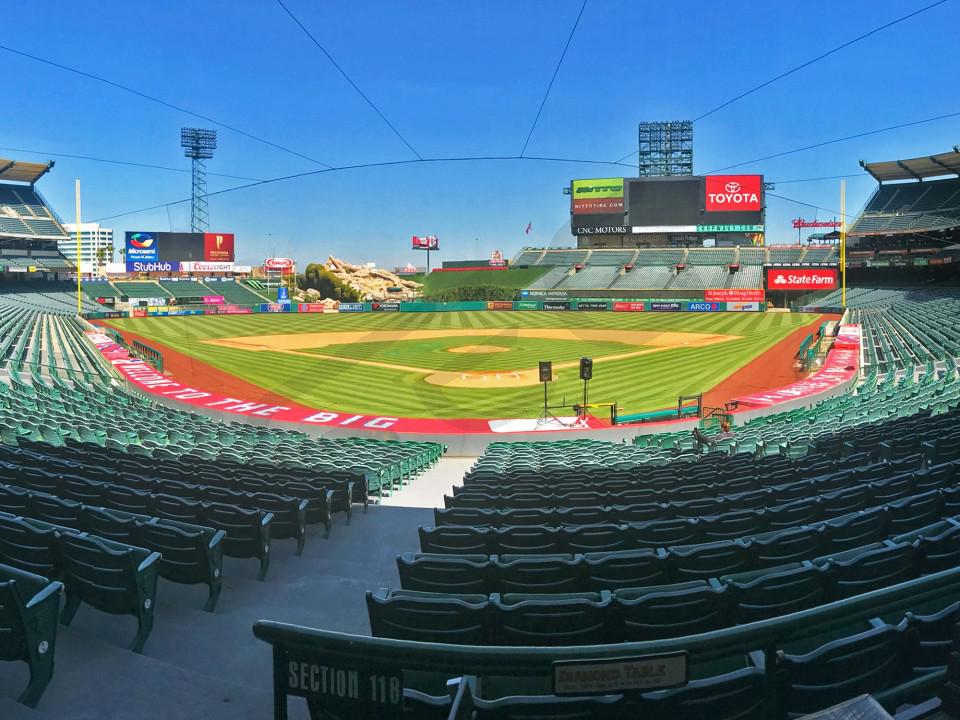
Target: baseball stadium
{"x":679,"y":461}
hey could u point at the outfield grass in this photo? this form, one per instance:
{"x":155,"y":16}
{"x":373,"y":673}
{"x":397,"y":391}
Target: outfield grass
{"x":435,"y":353}
{"x":638,"y":384}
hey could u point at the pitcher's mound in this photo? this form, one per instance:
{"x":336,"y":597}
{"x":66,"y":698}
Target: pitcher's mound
{"x":478,"y":349}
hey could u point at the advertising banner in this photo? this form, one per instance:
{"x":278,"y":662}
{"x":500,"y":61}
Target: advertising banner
{"x":233,"y":310}
{"x":385,"y":307}
{"x":500,"y":305}
{"x":350,"y":307}
{"x":594,"y":305}
{"x":274,"y":307}
{"x":428,"y":242}
{"x":848,"y":336}
{"x":218,"y":247}
{"x":839,"y":367}
{"x":698,"y":306}
{"x":242,"y":268}
{"x":801,"y":278}
{"x":213,"y":300}
{"x":730,"y":228}
{"x":733,"y":193}
{"x":556,"y":305}
{"x":141,"y":247}
{"x":201,"y":266}
{"x":278,"y":264}
{"x":597,"y":196}
{"x":526,"y":305}
{"x":734,"y":295}
{"x":743,"y":307}
{"x":283,"y":294}
{"x":496,"y":258}
{"x":665,"y":306}
{"x":139,"y":312}
{"x":628,"y":307}
{"x":161,"y":266}
{"x":310,"y":307}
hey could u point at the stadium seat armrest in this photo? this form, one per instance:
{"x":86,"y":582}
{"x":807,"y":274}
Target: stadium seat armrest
{"x":151,"y":560}
{"x":758,"y":659}
{"x":217,"y":539}
{"x":302,"y":506}
{"x":266,"y":519}
{"x":52,"y":589}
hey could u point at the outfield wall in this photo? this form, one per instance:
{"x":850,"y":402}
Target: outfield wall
{"x":652,"y":304}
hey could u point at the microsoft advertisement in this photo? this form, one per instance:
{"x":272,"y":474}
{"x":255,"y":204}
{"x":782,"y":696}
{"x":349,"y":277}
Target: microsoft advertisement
{"x":176,"y":252}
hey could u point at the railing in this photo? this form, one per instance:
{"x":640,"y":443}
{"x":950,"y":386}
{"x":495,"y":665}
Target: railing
{"x":376,"y":664}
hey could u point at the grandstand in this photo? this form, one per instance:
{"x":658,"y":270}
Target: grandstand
{"x":912,"y":196}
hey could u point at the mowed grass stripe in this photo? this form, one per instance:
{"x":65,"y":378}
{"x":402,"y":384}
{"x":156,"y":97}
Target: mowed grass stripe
{"x":641,"y":383}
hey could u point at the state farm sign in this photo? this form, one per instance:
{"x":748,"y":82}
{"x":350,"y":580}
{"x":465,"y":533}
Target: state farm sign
{"x":733,"y":193}
{"x":801,"y":278}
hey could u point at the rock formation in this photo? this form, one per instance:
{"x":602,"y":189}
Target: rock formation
{"x":373,"y":284}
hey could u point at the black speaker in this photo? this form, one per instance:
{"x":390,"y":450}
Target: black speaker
{"x":546,"y":371}
{"x":586,"y":368}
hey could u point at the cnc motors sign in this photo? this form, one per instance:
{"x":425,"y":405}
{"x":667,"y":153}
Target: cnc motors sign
{"x":733,"y":193}
{"x":801,"y":278}
{"x":598,"y":196}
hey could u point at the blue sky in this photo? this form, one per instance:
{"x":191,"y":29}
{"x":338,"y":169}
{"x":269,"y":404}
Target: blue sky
{"x":456,"y":79}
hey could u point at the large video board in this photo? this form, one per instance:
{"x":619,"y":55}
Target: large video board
{"x":168,"y":251}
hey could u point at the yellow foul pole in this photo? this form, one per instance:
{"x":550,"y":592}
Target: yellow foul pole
{"x":79,"y":291}
{"x":843,"y":241}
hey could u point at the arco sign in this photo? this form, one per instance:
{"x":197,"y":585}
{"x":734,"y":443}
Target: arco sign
{"x":733,"y":193}
{"x":801,"y":278}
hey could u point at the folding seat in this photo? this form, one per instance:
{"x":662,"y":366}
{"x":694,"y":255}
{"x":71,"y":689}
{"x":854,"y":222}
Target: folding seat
{"x":868,"y":662}
{"x":935,"y":477}
{"x":289,"y":516}
{"x":843,"y":502}
{"x":938,"y":546}
{"x":951,"y":501}
{"x":669,"y":611}
{"x":13,"y":500}
{"x":463,"y":574}
{"x":698,"y":507}
{"x":879,"y":471}
{"x":793,"y":514}
{"x":755,"y":499}
{"x":248,"y":531}
{"x":733,"y":525}
{"x":778,"y":547}
{"x":555,"y":619}
{"x":111,"y":524}
{"x":634,"y":496}
{"x":871,"y":567}
{"x":942,"y":450}
{"x":595,"y":538}
{"x":640,"y":512}
{"x":776,"y":591}
{"x":891,"y":489}
{"x":709,"y":560}
{"x":534,"y":707}
{"x":430,"y":617}
{"x":738,"y":695}
{"x":899,"y":447}
{"x":81,"y":490}
{"x":464,"y":515}
{"x":935,"y":633}
{"x":538,"y":574}
{"x":175,"y":488}
{"x":661,"y":533}
{"x":118,"y":497}
{"x":914,"y":511}
{"x":469,"y":499}
{"x":191,"y":554}
{"x":627,"y":568}
{"x":584,"y":498}
{"x":179,"y":509}
{"x":590,"y":515}
{"x":51,"y":509}
{"x":527,"y":539}
{"x":29,"y":606}
{"x":533,"y":501}
{"x":115,"y":578}
{"x":457,"y":540}
{"x":838,"y":480}
{"x":320,"y":502}
{"x":523,"y":516}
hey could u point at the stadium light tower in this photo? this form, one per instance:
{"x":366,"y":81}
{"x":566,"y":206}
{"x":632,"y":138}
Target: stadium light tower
{"x":666,"y":148}
{"x":198,"y":145}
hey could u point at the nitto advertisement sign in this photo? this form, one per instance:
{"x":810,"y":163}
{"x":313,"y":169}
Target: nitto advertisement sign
{"x":801,"y":278}
{"x":733,"y":193}
{"x":593,"y":305}
{"x":597,"y":197}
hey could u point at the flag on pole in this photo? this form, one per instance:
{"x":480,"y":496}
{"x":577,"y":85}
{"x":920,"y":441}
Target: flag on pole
{"x":529,"y":228}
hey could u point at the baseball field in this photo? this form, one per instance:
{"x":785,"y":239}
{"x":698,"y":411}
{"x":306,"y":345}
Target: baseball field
{"x":466,"y":364}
